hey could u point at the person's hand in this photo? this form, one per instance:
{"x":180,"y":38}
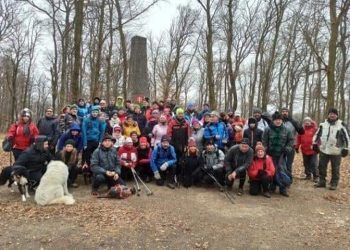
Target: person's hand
{"x":344,"y":152}
{"x":116,"y":176}
{"x":315,"y":148}
{"x":85,"y":165}
{"x":109,"y":173}
{"x":232,"y":176}
{"x":156,"y":175}
{"x":164,"y":166}
{"x":217,"y":137}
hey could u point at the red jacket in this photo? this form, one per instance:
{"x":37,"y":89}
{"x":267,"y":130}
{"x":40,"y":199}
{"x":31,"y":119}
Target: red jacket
{"x":304,"y":141}
{"x":20,"y":140}
{"x":127,"y":155}
{"x":258,"y":164}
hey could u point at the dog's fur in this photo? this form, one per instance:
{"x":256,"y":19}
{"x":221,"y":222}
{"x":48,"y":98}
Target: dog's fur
{"x":15,"y":176}
{"x":53,"y":186}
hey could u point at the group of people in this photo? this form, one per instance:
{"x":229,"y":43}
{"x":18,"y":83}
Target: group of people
{"x":162,"y":141}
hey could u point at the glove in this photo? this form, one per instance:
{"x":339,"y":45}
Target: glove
{"x":10,"y":139}
{"x":315,"y":148}
{"x":217,"y":137}
{"x":261,"y":173}
{"x":297,"y":150}
{"x":156,"y":175}
{"x":344,"y":152}
{"x":164,"y":166}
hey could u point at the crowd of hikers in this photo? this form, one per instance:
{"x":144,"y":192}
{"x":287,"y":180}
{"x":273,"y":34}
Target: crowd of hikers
{"x":171,"y":145}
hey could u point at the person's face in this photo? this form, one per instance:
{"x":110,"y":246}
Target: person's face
{"x":119,"y":100}
{"x":121,"y":112}
{"x":137,"y":110}
{"x":107,"y":143}
{"x":180,"y":116}
{"x":25,"y":119}
{"x":332,"y":116}
{"x":284,"y":113}
{"x":134,"y":137}
{"x":207,"y":119}
{"x":111,"y":102}
{"x":196,"y":125}
{"x":74,"y":132}
{"x":129,"y":120}
{"x":244,"y":147}
{"x":145,"y":103}
{"x":49,"y":113}
{"x":192,"y":149}
{"x":166,"y":111}
{"x":74,"y":111}
{"x":103,"y":116}
{"x":214,"y":118}
{"x":128,"y":105}
{"x":260,"y":153}
{"x":46,"y":145}
{"x":117,"y":132}
{"x":257,"y":116}
{"x":277,"y":122}
{"x":115,"y":116}
{"x":103,"y":103}
{"x":252,"y":125}
{"x":307,"y":123}
{"x":210,"y":147}
{"x":94,"y":113}
{"x":162,"y":119}
{"x":81,"y":103}
{"x":69,"y":148}
{"x":143,"y":145}
{"x":155,"y":106}
{"x":155,"y":115}
{"x":205,"y":107}
{"x":165,"y":144}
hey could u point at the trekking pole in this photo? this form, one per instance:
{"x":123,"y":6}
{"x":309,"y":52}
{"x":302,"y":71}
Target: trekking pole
{"x":228,"y":195}
{"x":138,"y":189}
{"x":148,"y":191}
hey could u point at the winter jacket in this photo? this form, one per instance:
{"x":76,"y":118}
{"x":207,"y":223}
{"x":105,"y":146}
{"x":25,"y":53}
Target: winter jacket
{"x":19,"y":139}
{"x":237,"y":130}
{"x":158,"y":131}
{"x":304,"y":141}
{"x":69,"y":119}
{"x":236,"y":160}
{"x":83,"y":112}
{"x":130,"y":127}
{"x":114,"y":121}
{"x":34,"y":159}
{"x":217,"y":132}
{"x":261,"y":164}
{"x":104,"y":159}
{"x":198,"y":136}
{"x":92,"y":130}
{"x":161,"y":155}
{"x":127,"y":154}
{"x":189,"y":116}
{"x":122,"y":118}
{"x":78,"y":139}
{"x":214,"y":159}
{"x":149,"y":127}
{"x":70,"y":159}
{"x":332,"y":137}
{"x":190,"y":164}
{"x":179,"y":131}
{"x":293,"y":125}
{"x":278,"y":140}
{"x":144,"y":155}
{"x":48,"y":126}
{"x":141,"y":121}
{"x":253,"y":135}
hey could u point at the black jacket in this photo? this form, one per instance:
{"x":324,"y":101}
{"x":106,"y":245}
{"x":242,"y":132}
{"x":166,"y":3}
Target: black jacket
{"x":253,"y":135}
{"x":34,"y":159}
{"x":236,"y":160}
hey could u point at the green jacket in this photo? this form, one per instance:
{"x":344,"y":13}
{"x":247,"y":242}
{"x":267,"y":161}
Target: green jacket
{"x":277,"y":140}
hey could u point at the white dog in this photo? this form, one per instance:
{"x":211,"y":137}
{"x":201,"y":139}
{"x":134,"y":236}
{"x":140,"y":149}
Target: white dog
{"x":53,"y":186}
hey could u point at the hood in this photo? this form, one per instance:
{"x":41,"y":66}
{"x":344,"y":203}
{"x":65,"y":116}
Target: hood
{"x":74,"y":126}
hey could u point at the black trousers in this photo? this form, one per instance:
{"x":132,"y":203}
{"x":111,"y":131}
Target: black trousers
{"x":167,"y":175}
{"x":91,"y":146}
{"x":241,"y":176}
{"x":257,"y":185}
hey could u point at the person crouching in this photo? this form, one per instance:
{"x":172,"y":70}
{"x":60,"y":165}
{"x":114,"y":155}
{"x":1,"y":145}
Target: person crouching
{"x":128,"y":158}
{"x":261,"y":172}
{"x":144,"y":153}
{"x":163,"y":163}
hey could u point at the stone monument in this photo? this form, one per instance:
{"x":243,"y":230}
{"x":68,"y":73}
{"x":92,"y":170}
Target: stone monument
{"x":138,"y":86}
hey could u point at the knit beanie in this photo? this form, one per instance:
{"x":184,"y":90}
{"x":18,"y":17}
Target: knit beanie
{"x":69,"y":142}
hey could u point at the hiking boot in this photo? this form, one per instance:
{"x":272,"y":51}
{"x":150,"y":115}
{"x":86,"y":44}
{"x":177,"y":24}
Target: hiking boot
{"x":333,"y":187}
{"x":148,"y":179}
{"x":94,"y":193}
{"x":171,"y":185}
{"x":267,"y":194}
{"x":285,"y":194}
{"x":316,"y":179}
{"x":240,"y":192}
{"x":320,"y":185}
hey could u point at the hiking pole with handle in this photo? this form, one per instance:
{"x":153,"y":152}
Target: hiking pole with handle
{"x":138,"y":189}
{"x":148,"y":191}
{"x":228,"y":195}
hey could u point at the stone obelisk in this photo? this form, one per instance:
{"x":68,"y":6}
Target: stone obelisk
{"x":138,"y":73}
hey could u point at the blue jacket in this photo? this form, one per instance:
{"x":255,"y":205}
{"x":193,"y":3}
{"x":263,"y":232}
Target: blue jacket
{"x":83,"y":112}
{"x":93,"y":130}
{"x":161,"y":155}
{"x":68,"y":135}
{"x":214,"y":130}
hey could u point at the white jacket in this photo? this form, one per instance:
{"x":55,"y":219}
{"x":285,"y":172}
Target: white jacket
{"x":332,"y":138}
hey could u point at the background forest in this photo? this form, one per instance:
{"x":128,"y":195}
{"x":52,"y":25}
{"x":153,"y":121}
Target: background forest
{"x":234,"y":55}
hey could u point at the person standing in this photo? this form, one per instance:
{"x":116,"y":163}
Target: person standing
{"x":332,"y":141}
{"x":48,"y":126}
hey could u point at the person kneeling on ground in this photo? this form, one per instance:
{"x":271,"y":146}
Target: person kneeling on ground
{"x":69,"y":155}
{"x":261,"y":172}
{"x":237,"y":160}
{"x":163,"y":163}
{"x":191,"y":163}
{"x":105,"y":165}
{"x":128,"y":158}
{"x":144,"y":153}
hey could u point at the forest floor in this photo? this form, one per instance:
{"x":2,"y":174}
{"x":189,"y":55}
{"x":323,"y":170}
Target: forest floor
{"x":194,"y":218}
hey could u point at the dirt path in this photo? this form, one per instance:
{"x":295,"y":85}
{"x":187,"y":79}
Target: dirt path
{"x":194,"y":218}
